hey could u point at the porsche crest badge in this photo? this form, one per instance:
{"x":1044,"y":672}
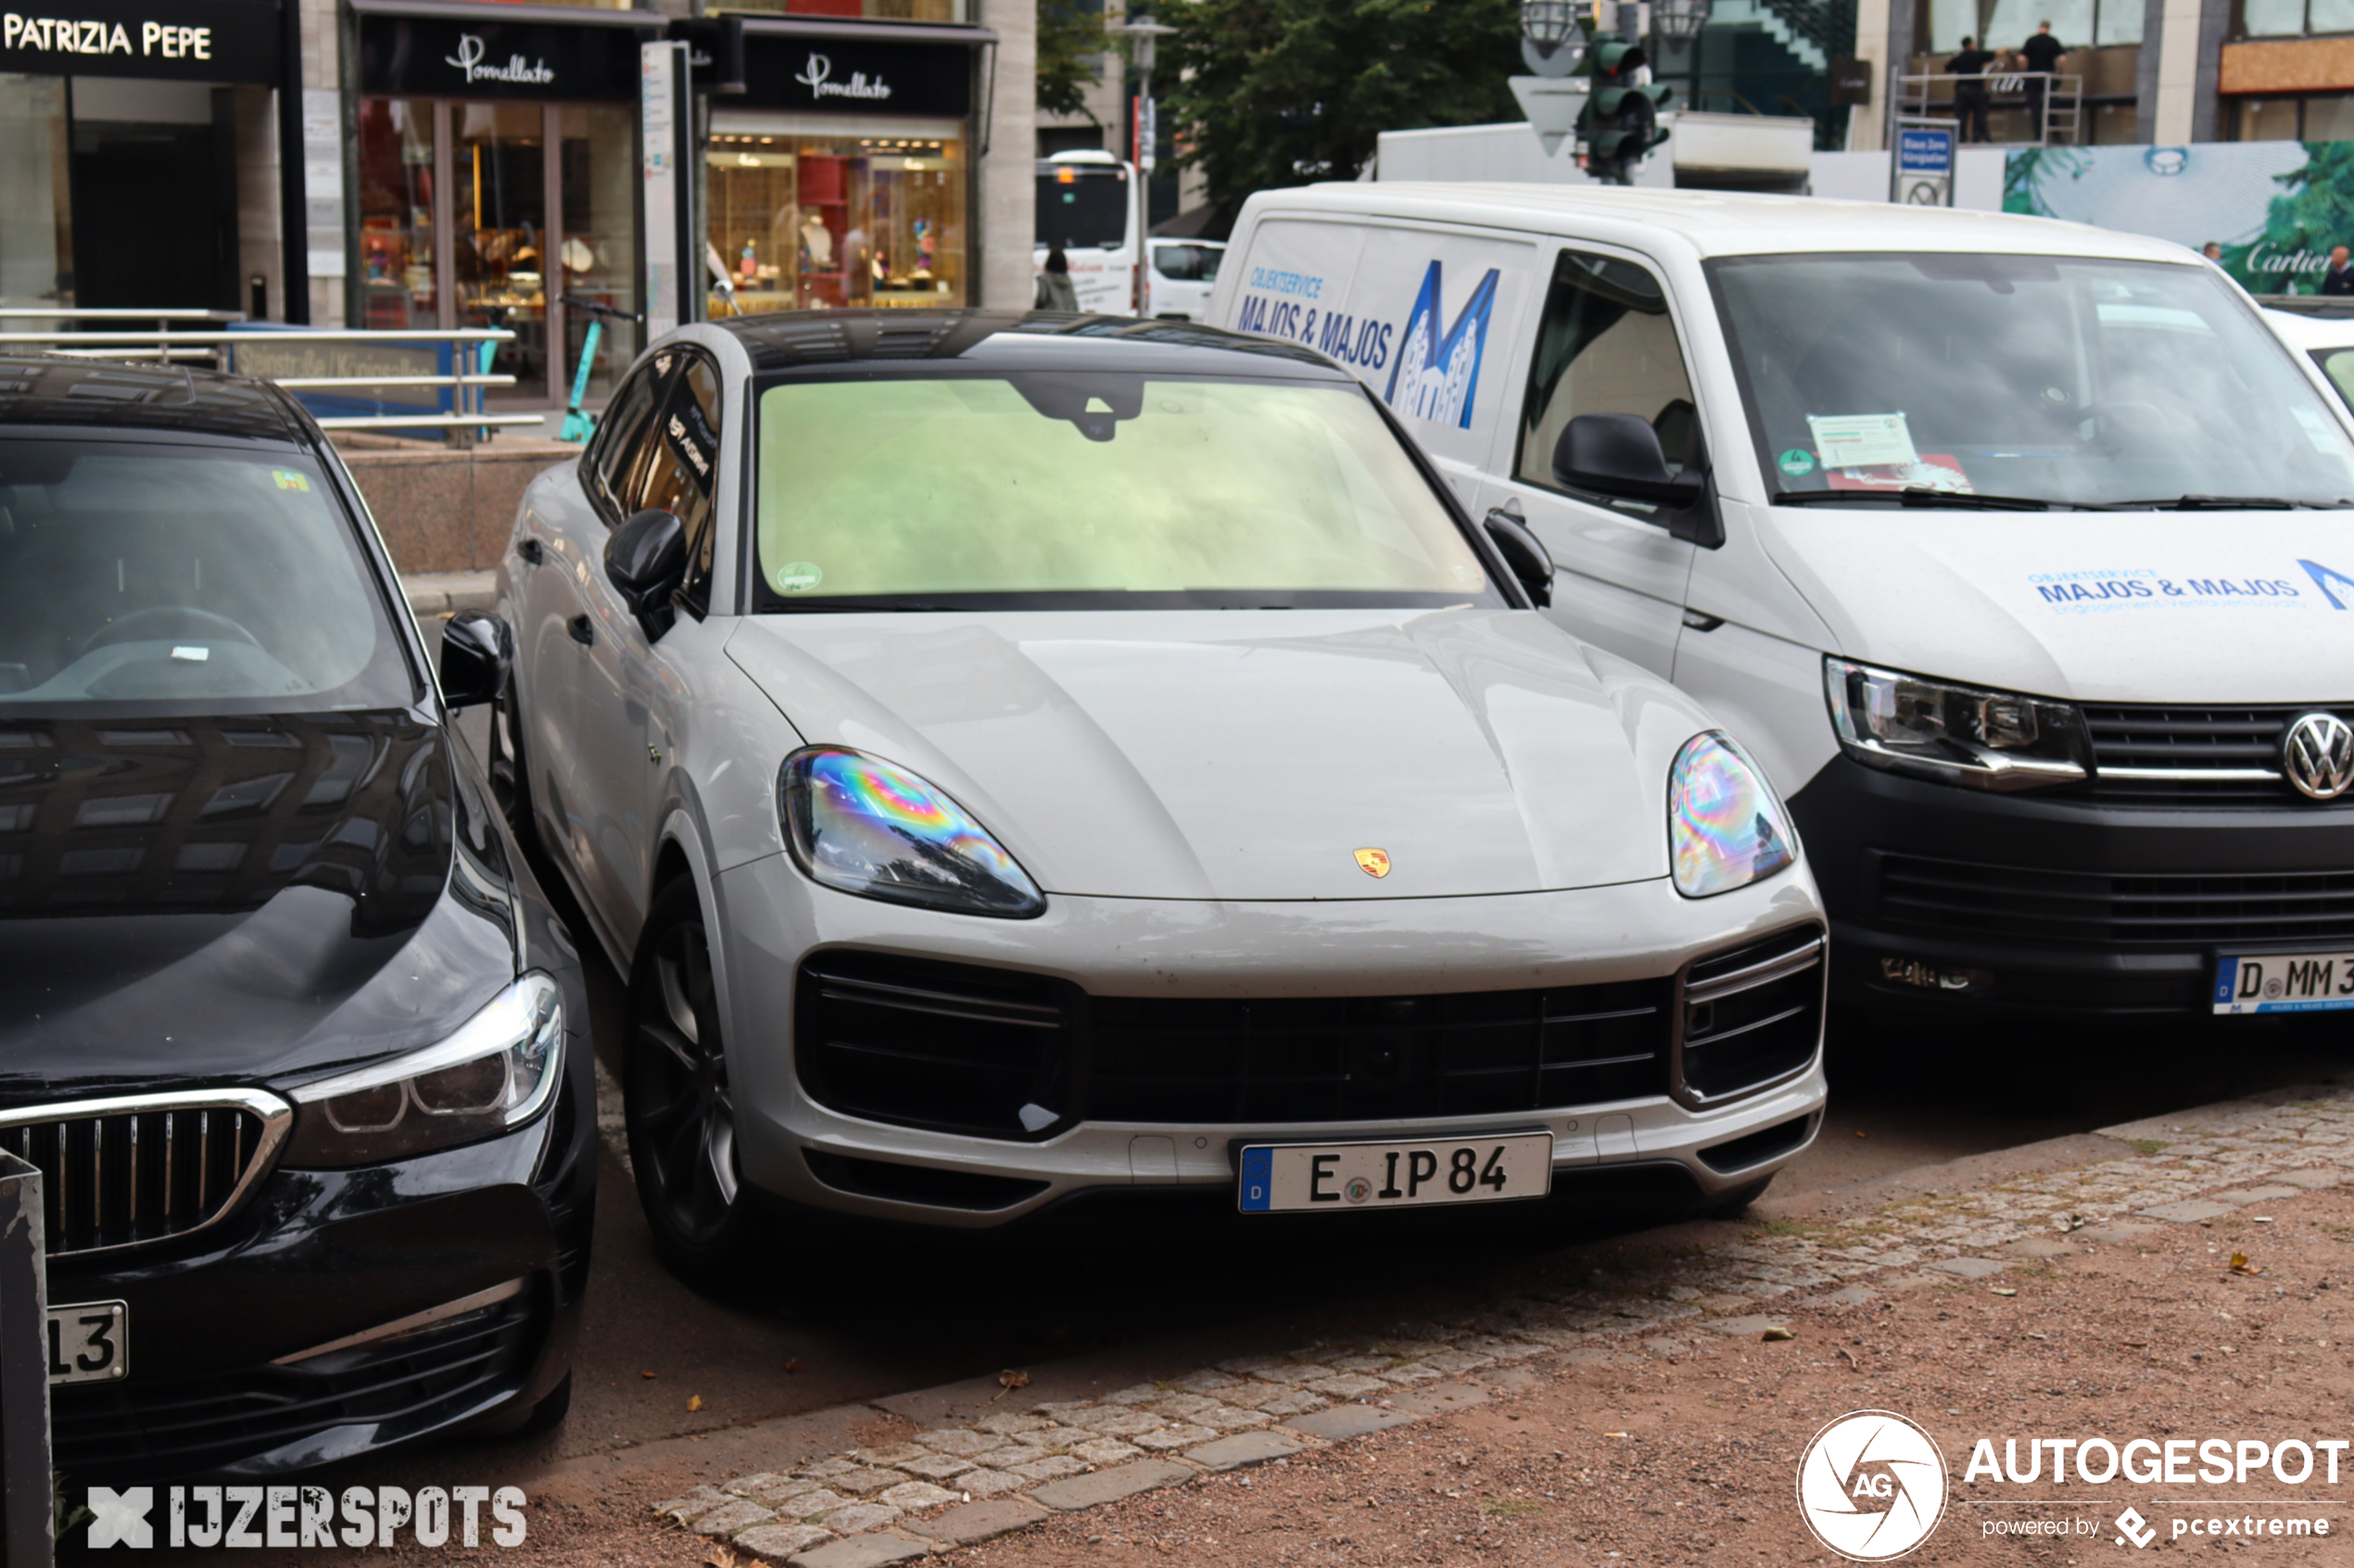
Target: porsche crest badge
{"x":1373,"y":861}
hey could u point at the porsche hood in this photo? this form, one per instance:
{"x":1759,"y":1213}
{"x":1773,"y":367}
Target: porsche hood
{"x":1255,"y":755}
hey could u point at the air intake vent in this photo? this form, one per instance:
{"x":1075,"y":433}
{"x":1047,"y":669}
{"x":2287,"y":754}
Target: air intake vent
{"x":1750,"y":1017}
{"x":119,"y":1173}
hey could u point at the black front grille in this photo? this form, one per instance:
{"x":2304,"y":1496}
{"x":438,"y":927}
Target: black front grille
{"x":1002,"y":1055}
{"x":1750,"y":1017}
{"x":2183,"y":741}
{"x":183,"y":1426}
{"x":115,"y":1178}
{"x":2169,"y":908}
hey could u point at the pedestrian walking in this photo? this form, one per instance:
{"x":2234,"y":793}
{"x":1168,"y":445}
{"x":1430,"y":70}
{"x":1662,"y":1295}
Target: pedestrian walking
{"x":1970,"y":91}
{"x":1056,"y":291}
{"x":2339,"y":279}
{"x":2043,"y":54}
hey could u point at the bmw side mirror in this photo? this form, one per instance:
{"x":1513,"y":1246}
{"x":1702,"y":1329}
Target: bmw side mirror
{"x":1618,"y":454}
{"x":476,"y":652}
{"x":1526,"y":554}
{"x":646,"y":562}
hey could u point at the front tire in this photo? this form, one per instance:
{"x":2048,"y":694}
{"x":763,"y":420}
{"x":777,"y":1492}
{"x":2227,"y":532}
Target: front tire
{"x":676,"y":1101}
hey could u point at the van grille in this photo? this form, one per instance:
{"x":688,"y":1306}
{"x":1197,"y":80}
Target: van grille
{"x":2175,"y":755}
{"x":2176,"y":908}
{"x":122,"y":1172}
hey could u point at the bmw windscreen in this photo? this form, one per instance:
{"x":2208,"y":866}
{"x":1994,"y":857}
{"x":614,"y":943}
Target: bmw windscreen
{"x":1063,"y":491}
{"x":2038,"y":381}
{"x":183,"y":578}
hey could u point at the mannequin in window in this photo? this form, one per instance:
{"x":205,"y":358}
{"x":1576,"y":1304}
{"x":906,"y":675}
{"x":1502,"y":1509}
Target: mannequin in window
{"x":817,"y":244}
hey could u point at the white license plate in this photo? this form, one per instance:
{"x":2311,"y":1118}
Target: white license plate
{"x":89,"y":1342}
{"x":2285,"y":982}
{"x":1329,"y":1178}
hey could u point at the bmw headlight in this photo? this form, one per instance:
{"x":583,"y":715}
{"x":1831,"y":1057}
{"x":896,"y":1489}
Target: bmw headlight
{"x":1987,"y":739}
{"x":871,"y":828}
{"x":497,"y":1072}
{"x":1725,"y":828}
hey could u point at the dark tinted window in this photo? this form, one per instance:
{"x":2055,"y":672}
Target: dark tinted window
{"x":1189,"y":263}
{"x":681,"y":466}
{"x":1084,"y":208}
{"x":187,"y":577}
{"x":624,"y":421}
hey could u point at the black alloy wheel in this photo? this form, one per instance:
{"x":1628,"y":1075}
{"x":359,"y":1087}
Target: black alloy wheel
{"x":676,"y":1098}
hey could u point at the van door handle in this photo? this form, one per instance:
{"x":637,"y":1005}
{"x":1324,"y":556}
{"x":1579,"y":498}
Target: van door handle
{"x":582,"y":632}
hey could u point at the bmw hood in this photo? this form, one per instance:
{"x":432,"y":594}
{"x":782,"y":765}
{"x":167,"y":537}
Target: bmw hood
{"x":2150,"y":607}
{"x":1250,"y":754}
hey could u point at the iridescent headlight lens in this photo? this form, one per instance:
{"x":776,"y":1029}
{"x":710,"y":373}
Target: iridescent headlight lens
{"x":871,"y":828}
{"x":1725,"y":828}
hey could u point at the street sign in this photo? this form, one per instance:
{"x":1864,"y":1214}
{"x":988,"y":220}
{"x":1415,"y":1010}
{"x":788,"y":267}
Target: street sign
{"x":1921,"y":172}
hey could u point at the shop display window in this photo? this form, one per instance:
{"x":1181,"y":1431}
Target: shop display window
{"x":818,"y":223}
{"x":477,"y":214}
{"x":36,"y":238}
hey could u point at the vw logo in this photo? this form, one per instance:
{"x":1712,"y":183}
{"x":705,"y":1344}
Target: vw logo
{"x":2318,"y":756}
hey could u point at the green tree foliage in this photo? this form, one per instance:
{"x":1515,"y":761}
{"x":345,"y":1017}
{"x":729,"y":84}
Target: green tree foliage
{"x":2313,"y":212}
{"x":1071,"y":42}
{"x":1265,"y":93}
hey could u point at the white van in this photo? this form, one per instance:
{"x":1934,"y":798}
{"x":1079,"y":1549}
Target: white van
{"x":2020,"y":553}
{"x":1182,"y":274}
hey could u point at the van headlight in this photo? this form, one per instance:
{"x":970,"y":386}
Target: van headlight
{"x":873,"y":828}
{"x":1725,"y":828}
{"x":497,"y":1072}
{"x":1961,"y":734}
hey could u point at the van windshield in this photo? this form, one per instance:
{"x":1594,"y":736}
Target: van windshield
{"x":2069,"y":381}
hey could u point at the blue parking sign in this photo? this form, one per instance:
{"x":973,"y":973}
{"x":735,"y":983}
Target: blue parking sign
{"x":1925,"y":152}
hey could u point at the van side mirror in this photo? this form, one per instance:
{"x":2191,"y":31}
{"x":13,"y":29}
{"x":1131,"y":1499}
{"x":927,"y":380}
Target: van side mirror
{"x":646,"y":562}
{"x":476,"y":652}
{"x":1526,"y":554}
{"x":1618,"y":454}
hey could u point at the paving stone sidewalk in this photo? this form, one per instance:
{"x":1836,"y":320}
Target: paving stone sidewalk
{"x":958,"y":1485}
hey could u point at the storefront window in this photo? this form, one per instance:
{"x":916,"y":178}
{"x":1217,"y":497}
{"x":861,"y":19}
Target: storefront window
{"x":598,"y":258}
{"x":499,"y":172}
{"x":36,"y":235}
{"x":397,"y":176}
{"x":818,"y":222}
{"x":873,"y":10}
{"x":2290,"y":19}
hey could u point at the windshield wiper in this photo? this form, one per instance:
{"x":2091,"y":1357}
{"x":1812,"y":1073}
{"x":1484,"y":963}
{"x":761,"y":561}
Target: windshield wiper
{"x":1921,"y":495}
{"x":2226,"y":503}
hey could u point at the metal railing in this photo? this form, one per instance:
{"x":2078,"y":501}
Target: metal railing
{"x":354,"y":362}
{"x":1927,"y":102}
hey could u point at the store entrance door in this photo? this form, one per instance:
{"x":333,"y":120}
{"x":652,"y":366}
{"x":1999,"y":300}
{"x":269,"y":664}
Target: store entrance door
{"x":155,"y":200}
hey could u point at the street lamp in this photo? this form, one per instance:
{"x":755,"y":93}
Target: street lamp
{"x":1680,"y":21}
{"x":1145,"y":131}
{"x":1551,"y":40}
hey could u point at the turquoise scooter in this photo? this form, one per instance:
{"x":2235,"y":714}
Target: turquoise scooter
{"x":577,"y":424}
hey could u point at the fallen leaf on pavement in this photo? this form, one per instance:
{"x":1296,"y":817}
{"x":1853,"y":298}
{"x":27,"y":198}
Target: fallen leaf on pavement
{"x":2240,"y":1265}
{"x":723,"y":1557}
{"x":1007,"y":1381}
{"x":1777,"y":1332}
{"x":694,"y":1401}
{"x":2005,"y":1290}
{"x":649,"y":1374}
{"x":2070,"y":1222}
{"x":795,"y":1367}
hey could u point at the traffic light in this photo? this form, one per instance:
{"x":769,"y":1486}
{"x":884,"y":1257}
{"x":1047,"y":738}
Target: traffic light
{"x":1620,"y":121}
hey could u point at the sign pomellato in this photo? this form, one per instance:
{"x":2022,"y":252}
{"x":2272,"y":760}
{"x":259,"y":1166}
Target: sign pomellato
{"x":816,"y":74}
{"x":471,"y":63}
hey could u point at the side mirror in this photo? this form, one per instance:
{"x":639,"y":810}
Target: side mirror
{"x":646,"y":560}
{"x":1618,"y":454}
{"x":1530,"y":562}
{"x":476,"y":652}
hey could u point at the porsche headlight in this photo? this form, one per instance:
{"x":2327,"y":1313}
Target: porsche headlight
{"x":1725,"y":828}
{"x":871,"y":828}
{"x":1963,"y":735}
{"x":497,"y":1072}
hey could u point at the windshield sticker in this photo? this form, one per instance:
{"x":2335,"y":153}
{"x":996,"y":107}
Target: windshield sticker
{"x":1798,"y":463}
{"x":2102,"y":590}
{"x":289,"y":481}
{"x":798,"y":576}
{"x":1941,"y":471}
{"x":1862,"y":440}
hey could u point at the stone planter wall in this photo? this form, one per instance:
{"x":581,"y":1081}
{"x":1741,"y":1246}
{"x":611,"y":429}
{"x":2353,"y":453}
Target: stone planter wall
{"x":447,"y":508}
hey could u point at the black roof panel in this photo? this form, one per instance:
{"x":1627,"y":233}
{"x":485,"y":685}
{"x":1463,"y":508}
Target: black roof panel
{"x":51,"y":389}
{"x":816,"y":340}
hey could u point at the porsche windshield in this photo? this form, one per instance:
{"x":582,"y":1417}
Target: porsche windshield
{"x":1077,"y":490}
{"x":2087,"y":381}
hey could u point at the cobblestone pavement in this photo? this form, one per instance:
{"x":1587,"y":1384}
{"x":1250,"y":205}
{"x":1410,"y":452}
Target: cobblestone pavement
{"x":955,"y":1485}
